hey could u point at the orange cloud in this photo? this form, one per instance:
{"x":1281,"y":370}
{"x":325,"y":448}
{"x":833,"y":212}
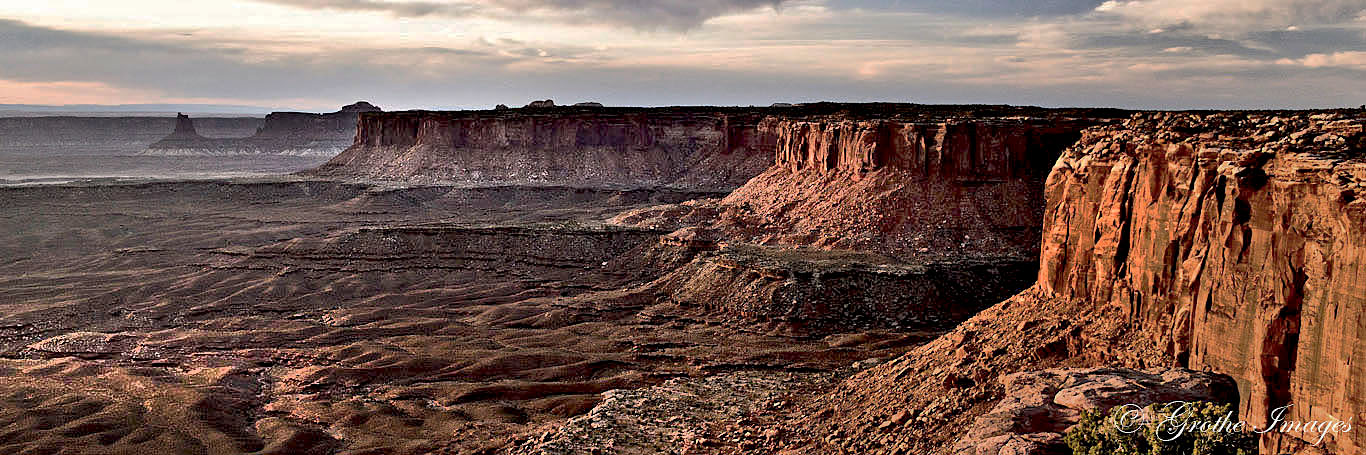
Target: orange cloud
{"x":14,"y":92}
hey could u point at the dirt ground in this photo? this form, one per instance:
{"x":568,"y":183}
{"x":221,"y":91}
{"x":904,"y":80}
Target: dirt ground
{"x":287,"y":316}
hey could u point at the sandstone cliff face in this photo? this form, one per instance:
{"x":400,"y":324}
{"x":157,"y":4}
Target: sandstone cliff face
{"x":949,"y":207}
{"x":928,"y":187}
{"x":968,"y":150}
{"x":1236,"y":242}
{"x":1229,"y":242}
{"x":716,"y":147}
{"x":695,"y":148}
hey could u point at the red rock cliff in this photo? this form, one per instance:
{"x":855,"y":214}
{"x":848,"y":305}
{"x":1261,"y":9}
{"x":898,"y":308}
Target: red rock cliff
{"x":1237,"y":243}
{"x":695,"y":148}
{"x":1232,"y":242}
{"x":934,"y":186}
{"x":962,"y":149}
{"x":720,"y":147}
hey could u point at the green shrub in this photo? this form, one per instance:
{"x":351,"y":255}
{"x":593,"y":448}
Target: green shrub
{"x":1179,"y":428}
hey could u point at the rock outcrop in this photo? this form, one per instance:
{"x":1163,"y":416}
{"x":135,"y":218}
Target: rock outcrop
{"x":184,"y":129}
{"x":934,"y":187}
{"x":1230,"y":242}
{"x":947,"y":203}
{"x":565,"y":146}
{"x":282,"y":133}
{"x":1040,"y":406}
{"x":713,"y":147}
{"x":814,"y":292}
{"x":1234,"y":242}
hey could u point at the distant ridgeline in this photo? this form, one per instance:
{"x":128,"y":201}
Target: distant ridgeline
{"x":283,"y":133}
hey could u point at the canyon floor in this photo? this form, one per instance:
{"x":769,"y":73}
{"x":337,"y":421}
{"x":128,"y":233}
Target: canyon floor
{"x":302,"y":316}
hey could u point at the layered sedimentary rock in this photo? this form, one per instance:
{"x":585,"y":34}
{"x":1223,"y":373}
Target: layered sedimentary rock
{"x":1230,"y":242}
{"x":282,"y":133}
{"x":687,"y":146}
{"x":946,"y":204}
{"x":924,"y":184}
{"x":954,"y":187}
{"x":573,"y":146}
{"x":1236,"y":242}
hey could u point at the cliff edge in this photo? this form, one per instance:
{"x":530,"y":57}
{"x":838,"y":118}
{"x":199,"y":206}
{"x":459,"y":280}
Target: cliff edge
{"x":700,"y":147}
{"x":1231,"y":242}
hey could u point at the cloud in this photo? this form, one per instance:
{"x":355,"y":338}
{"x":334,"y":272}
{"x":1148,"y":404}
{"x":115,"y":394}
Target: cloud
{"x":814,"y":50}
{"x":402,"y":9}
{"x":173,"y":69}
{"x":979,"y":8}
{"x":676,"y":15}
{"x":1235,"y":16}
{"x":1349,"y":59}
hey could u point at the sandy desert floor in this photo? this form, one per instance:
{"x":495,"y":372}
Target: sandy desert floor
{"x":287,"y":316}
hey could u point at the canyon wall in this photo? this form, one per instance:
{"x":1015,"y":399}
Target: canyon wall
{"x":947,"y":208}
{"x":933,"y":186}
{"x":281,"y":133}
{"x":968,"y":150}
{"x":1231,"y":242}
{"x":717,"y":147}
{"x":571,"y":146}
{"x":1235,"y":242}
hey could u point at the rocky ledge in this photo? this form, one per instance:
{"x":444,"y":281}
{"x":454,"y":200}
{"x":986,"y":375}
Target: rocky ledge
{"x":810,"y":291}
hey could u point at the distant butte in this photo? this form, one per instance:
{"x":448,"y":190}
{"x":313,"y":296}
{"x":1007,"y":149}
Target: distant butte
{"x":283,"y":133}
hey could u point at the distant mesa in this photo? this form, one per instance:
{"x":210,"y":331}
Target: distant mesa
{"x":361,"y":106}
{"x":545,"y":104}
{"x":783,"y":105}
{"x":283,"y":133}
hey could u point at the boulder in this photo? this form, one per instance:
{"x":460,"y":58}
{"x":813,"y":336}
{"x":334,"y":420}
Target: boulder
{"x":1039,"y":406}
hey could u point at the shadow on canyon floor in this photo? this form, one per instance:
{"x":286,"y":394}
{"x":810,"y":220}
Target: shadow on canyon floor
{"x":321,"y":317}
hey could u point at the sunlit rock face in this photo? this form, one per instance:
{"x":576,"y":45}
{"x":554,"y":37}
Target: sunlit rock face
{"x":1236,"y":242}
{"x":1229,"y":242}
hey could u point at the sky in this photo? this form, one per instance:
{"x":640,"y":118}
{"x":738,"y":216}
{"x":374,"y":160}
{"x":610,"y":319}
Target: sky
{"x":451,"y":54}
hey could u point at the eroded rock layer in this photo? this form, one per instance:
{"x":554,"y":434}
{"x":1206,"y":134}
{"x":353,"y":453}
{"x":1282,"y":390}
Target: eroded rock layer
{"x":946,"y":205}
{"x":924,"y":187}
{"x":712,"y":147}
{"x":1229,"y":242}
{"x":822,"y":292}
{"x":589,"y":148}
{"x":1235,"y":242}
